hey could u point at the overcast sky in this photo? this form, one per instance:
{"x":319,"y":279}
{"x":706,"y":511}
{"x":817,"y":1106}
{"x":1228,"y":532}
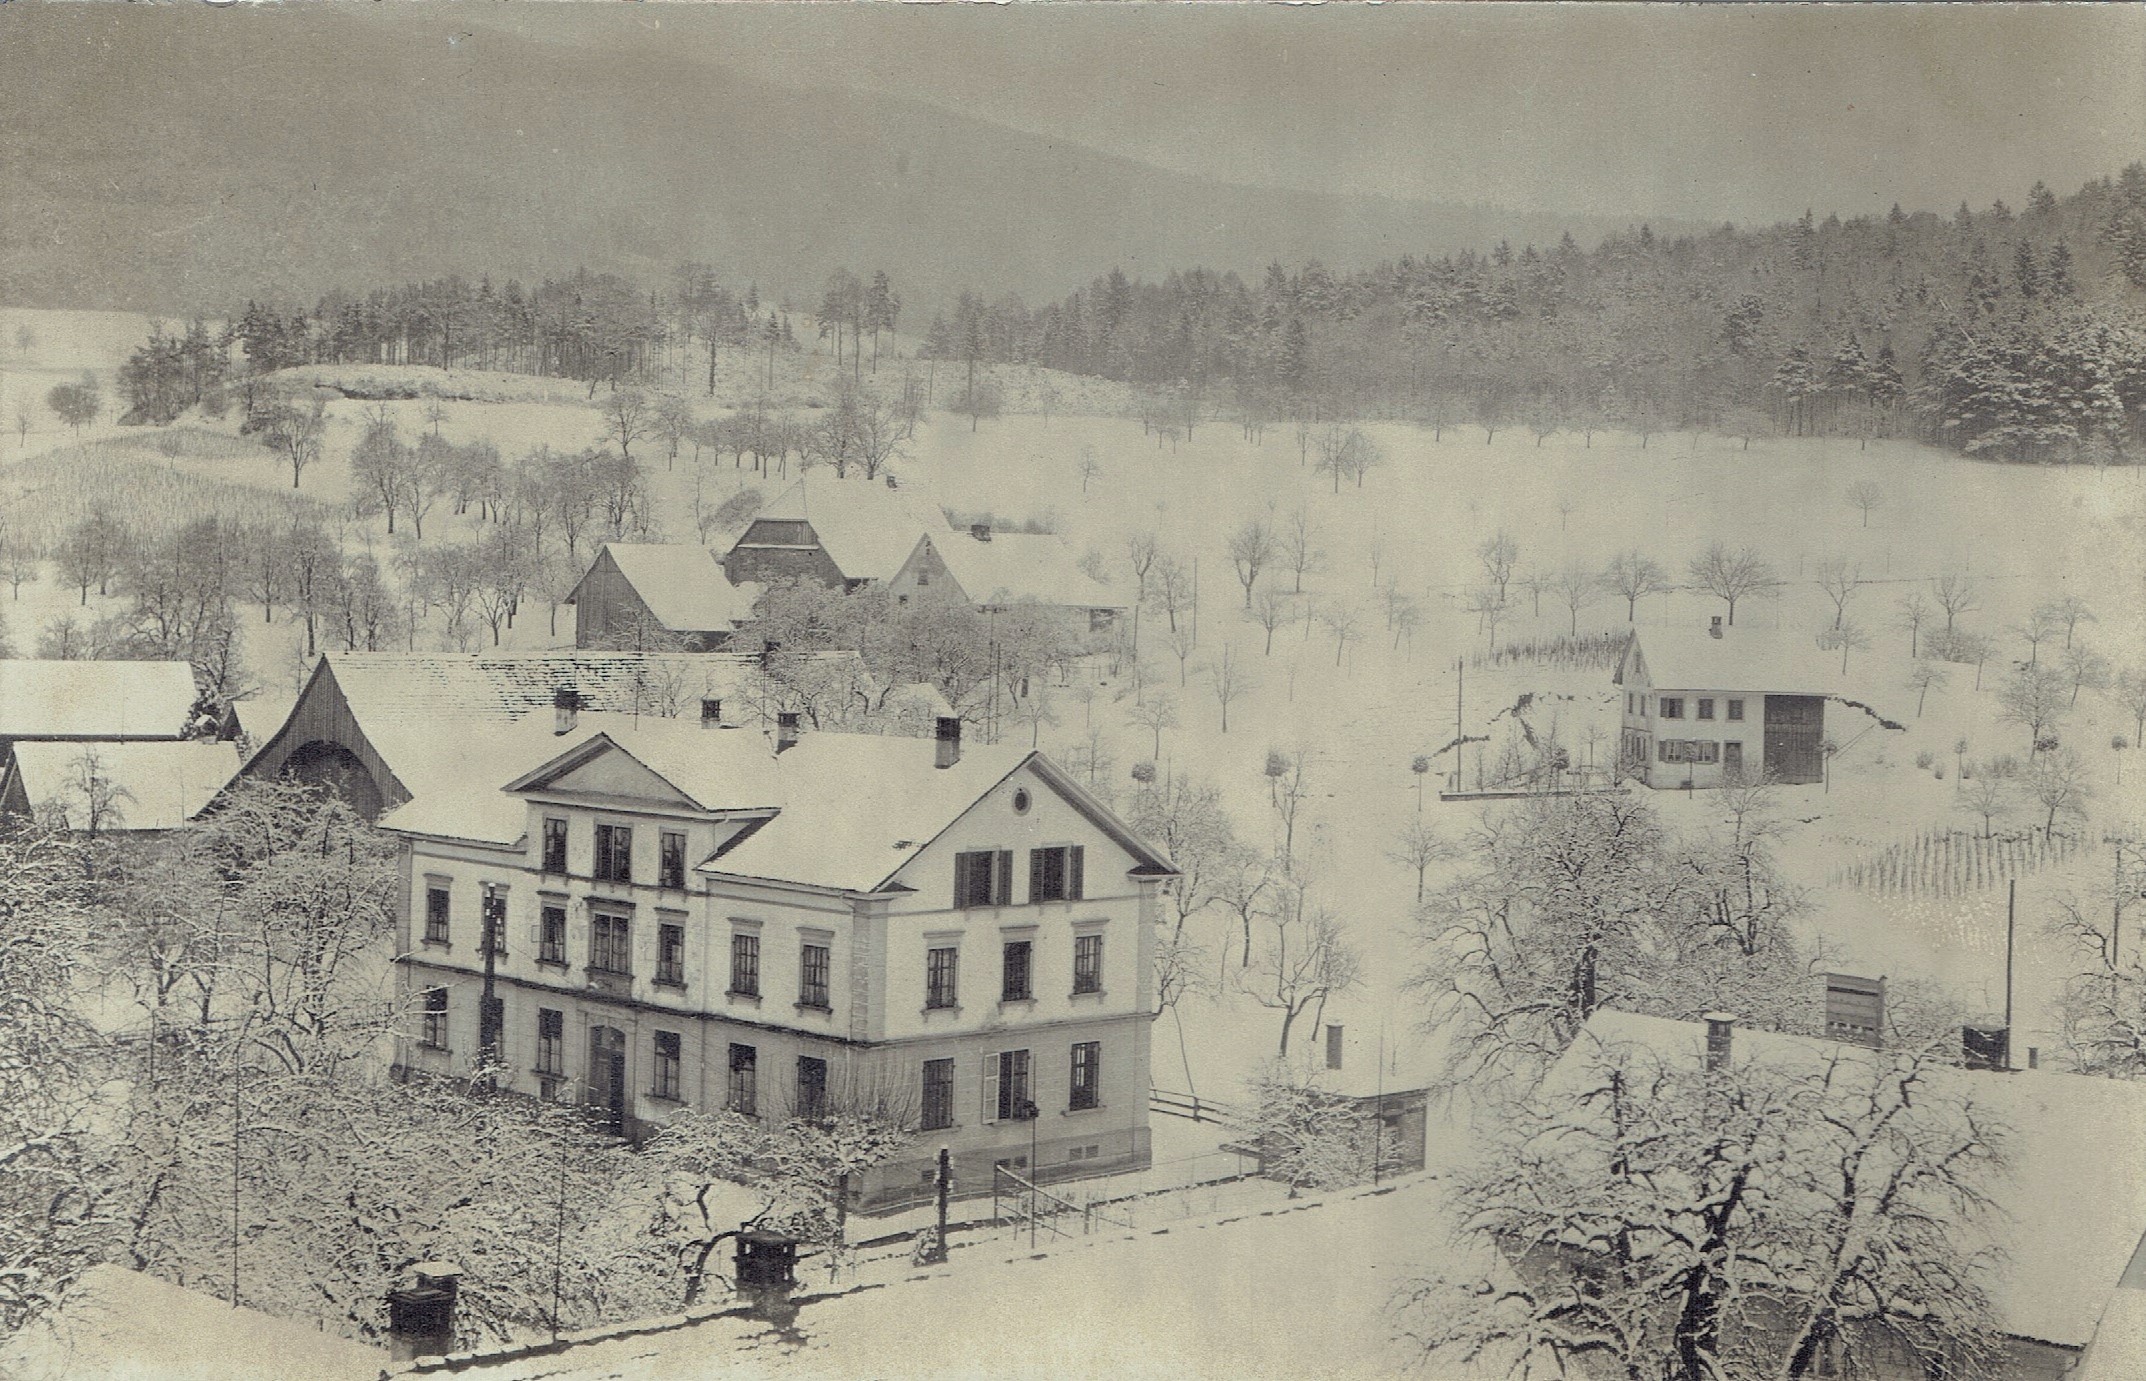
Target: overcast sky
{"x":1711,"y":113}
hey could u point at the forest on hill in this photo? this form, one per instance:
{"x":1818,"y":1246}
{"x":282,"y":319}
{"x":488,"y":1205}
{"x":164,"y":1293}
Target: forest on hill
{"x":2021,"y":334}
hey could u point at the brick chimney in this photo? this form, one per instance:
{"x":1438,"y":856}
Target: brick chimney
{"x":1720,"y":1032}
{"x":565,"y":709}
{"x":786,"y":731}
{"x":1713,"y":630}
{"x":421,"y":1314}
{"x":711,"y":713}
{"x":947,"y":732}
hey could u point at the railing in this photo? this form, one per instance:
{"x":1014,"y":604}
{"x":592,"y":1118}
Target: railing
{"x":1194,"y":1108}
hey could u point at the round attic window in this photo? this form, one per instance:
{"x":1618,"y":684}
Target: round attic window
{"x":1020,"y":801}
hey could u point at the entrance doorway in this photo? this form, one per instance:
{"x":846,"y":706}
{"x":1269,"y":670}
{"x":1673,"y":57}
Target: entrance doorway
{"x":607,"y":1076}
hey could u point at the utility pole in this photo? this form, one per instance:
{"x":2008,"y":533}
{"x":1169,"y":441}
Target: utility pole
{"x":946,"y":1184}
{"x":1460,"y":686}
{"x":2011,"y":903}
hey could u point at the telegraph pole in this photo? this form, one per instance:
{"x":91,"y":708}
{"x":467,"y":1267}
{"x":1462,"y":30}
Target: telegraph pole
{"x":2011,"y":902}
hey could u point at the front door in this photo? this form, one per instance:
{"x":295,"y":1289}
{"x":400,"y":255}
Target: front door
{"x":607,"y":1076}
{"x":1732,"y":762}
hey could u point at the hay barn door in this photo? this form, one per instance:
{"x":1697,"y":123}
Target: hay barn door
{"x":1795,"y":724}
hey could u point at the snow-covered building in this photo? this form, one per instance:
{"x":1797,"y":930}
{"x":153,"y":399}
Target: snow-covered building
{"x":375,"y":726}
{"x":689,"y":917}
{"x":1702,"y":707}
{"x":676,"y":593}
{"x":994,"y":570}
{"x":132,"y":787}
{"x":2068,"y":1212}
{"x":103,"y":702}
{"x":843,"y":533}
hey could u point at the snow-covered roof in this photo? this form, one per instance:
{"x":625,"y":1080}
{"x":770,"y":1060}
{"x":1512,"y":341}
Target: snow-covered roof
{"x":1011,"y":567}
{"x":682,"y":585}
{"x":2071,"y":1210}
{"x":381,"y":686}
{"x":121,"y":1325}
{"x":157,"y":785}
{"x":867,"y":529}
{"x":2118,"y":1351}
{"x":94,"y":700}
{"x":1759,"y":660}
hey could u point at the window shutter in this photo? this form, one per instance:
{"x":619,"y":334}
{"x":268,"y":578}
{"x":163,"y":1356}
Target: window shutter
{"x":990,"y":1087}
{"x":1075,"y":863}
{"x":1003,"y":895}
{"x":961,"y":880}
{"x":1035,"y":876}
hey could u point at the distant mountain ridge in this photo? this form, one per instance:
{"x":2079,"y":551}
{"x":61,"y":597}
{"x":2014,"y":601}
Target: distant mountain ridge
{"x":157,"y":164}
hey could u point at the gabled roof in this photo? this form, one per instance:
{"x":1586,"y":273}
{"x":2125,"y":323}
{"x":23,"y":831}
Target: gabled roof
{"x":715,"y":769}
{"x":2072,"y":1210}
{"x":866,"y":529}
{"x":159,"y":784}
{"x":1765,"y":661}
{"x":682,"y":585}
{"x":94,"y":700}
{"x":1013,"y":567}
{"x":857,"y":807}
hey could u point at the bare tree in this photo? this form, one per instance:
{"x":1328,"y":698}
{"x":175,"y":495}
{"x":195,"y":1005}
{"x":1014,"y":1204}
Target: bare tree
{"x":2071,"y":611}
{"x":1731,"y":576}
{"x":2034,"y":697}
{"x":1300,"y":546}
{"x":1848,"y":637}
{"x":1987,"y":793}
{"x":629,"y":417}
{"x":1489,"y":607}
{"x":1577,"y":587}
{"x":1251,"y":547}
{"x":1634,"y":577}
{"x":1922,"y":678}
{"x":1230,"y":680}
{"x":1271,"y":610}
{"x":1914,"y":612}
{"x":1344,"y":621}
{"x":1840,"y":581}
{"x":1956,"y":593}
{"x":1311,"y":1137}
{"x":1300,"y":959}
{"x":1867,"y":497}
{"x":2084,"y":668}
{"x":1183,"y":646}
{"x":2131,"y":695}
{"x":2057,"y":782}
{"x":1498,"y":555}
{"x":1155,"y":713}
{"x":1417,"y":847}
{"x":2038,"y":627}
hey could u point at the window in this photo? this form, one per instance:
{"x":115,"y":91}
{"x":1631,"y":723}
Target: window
{"x":1687,"y":750}
{"x":1015,"y":987}
{"x":1086,"y":1089}
{"x":1054,"y":874}
{"x":671,"y":866}
{"x":1629,"y":698}
{"x":551,"y":1041}
{"x":554,"y":845}
{"x":667,"y":1061}
{"x":1672,"y":707}
{"x":1087,"y":963}
{"x":811,"y":1089}
{"x":493,"y":939}
{"x":435,"y":915}
{"x":923,"y":579}
{"x":551,"y":936}
{"x":744,"y":965}
{"x":744,"y":1080}
{"x":434,"y":1034}
{"x":940,"y":972}
{"x":1736,"y":709}
{"x":711,"y":711}
{"x":614,"y":853}
{"x":983,"y":878}
{"x":671,"y":954}
{"x":610,"y":944}
{"x":1010,"y":1097}
{"x":938,"y":1095}
{"x":813,"y":966}
{"x":1706,"y":708}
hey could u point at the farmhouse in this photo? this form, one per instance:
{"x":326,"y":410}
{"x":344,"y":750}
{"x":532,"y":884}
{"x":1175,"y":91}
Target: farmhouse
{"x":843,"y":533}
{"x":133,"y":787}
{"x":1704,"y":708}
{"x":993,"y":570}
{"x":643,"y":915}
{"x":2069,"y":1213}
{"x":647,"y":596}
{"x":103,"y":702}
{"x":377,"y":726}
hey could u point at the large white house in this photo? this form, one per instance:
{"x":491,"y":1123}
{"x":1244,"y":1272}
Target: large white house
{"x":715,"y":917}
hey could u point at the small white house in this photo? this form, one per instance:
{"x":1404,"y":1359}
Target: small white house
{"x":1703,"y":707}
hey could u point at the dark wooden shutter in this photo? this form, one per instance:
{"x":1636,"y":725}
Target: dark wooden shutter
{"x":990,"y":1086}
{"x":1003,"y":894}
{"x":1035,"y":875}
{"x":1075,"y":865}
{"x":961,"y":880}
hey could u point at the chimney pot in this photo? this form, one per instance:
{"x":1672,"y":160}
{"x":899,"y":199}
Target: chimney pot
{"x":947,"y":731}
{"x":1720,"y":1030}
{"x":711,"y":713}
{"x":421,"y":1314}
{"x":768,"y":650}
{"x":980,"y":531}
{"x":786,"y":731}
{"x":565,"y":709}
{"x":1713,"y":629}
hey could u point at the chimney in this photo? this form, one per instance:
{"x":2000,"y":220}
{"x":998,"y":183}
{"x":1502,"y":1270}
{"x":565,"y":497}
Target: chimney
{"x":948,"y":734}
{"x":421,"y":1314}
{"x":768,"y":650}
{"x":711,"y":713}
{"x":1713,"y":629}
{"x":565,"y":709}
{"x":1720,"y":1027}
{"x":980,"y":531}
{"x":785,"y":731}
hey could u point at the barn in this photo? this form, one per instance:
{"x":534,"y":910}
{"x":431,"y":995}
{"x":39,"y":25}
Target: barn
{"x":843,"y":533}
{"x":650,"y":596}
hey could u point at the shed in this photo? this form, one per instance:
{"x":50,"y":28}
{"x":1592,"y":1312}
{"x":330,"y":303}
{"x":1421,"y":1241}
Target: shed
{"x":675,"y":589}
